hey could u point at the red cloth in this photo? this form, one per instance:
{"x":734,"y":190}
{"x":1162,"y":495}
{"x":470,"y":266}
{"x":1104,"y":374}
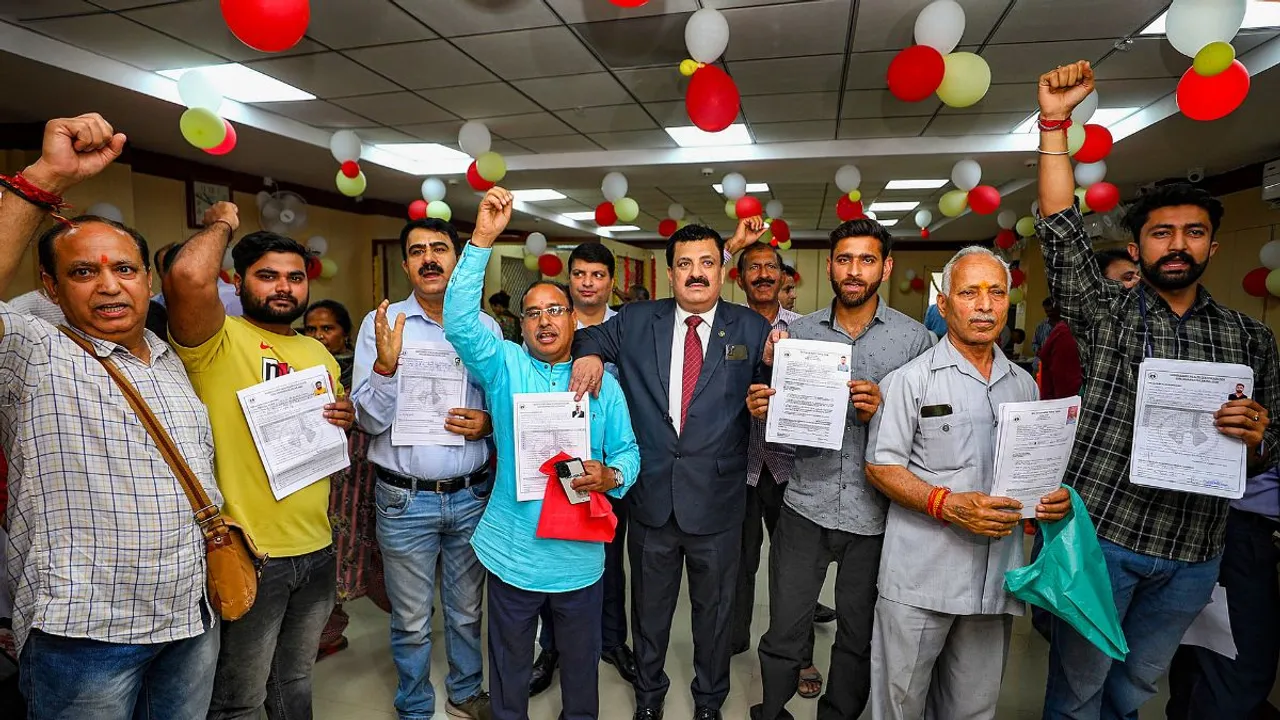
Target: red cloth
{"x":1060,"y":372}
{"x":591,"y":521}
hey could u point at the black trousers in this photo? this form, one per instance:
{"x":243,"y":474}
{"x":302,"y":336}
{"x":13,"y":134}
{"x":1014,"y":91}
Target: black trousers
{"x":658,"y":557}
{"x":613,"y":618}
{"x":800,"y":553}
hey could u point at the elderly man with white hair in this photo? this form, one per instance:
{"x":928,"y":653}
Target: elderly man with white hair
{"x":942,"y":621}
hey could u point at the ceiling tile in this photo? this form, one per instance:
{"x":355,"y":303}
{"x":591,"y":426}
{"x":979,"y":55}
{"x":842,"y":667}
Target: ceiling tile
{"x":397,"y":108}
{"x":1043,"y":20}
{"x":803,"y":74}
{"x":983,"y":124}
{"x":508,"y":147}
{"x":1026,"y":62}
{"x":517,"y":127}
{"x":438,"y":132}
{"x":122,"y":4}
{"x":27,"y":10}
{"x":891,"y":25}
{"x":882,"y":103}
{"x":559,"y":144}
{"x":471,"y":17}
{"x":637,"y":41}
{"x":608,"y":119}
{"x":1001,"y":98}
{"x":880,"y":127}
{"x":374,"y":135}
{"x":476,"y":101}
{"x":580,"y":11}
{"x":123,"y":40}
{"x":791,"y":107}
{"x":672,"y":113}
{"x":325,"y":75}
{"x":319,"y":113}
{"x":867,"y":70}
{"x":794,"y":131}
{"x":652,"y":84}
{"x":634,"y":140}
{"x":531,"y":53}
{"x":1133,"y":93}
{"x":726,"y":4}
{"x":807,"y":28}
{"x":421,"y":65}
{"x":201,"y":24}
{"x":1145,"y":57}
{"x":368,"y":22}
{"x":589,"y":90}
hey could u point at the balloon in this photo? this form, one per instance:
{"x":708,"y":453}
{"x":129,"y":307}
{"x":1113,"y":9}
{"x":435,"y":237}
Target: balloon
{"x":1082,"y":197}
{"x":712,"y":99}
{"x":917,"y":284}
{"x":417,"y":209}
{"x":314,"y":268}
{"x":1017,"y":277}
{"x":904,"y":286}
{"x":706,"y":34}
{"x":966,"y":80}
{"x":1192,"y":24}
{"x":491,"y":166}
{"x":351,"y":187}
{"x":628,"y":3}
{"x":1270,"y":255}
{"x":614,"y":186}
{"x":872,"y":216}
{"x":228,"y":143}
{"x":1255,"y":282}
{"x":848,"y":178}
{"x":689,"y":66}
{"x":1007,"y":219}
{"x":667,"y":227}
{"x":675,"y":211}
{"x":626,"y":209}
{"x":606,"y":215}
{"x":1090,"y":173}
{"x":1097,"y":144}
{"x":535,"y":243}
{"x":910,"y":274}
{"x":1016,"y":296}
{"x":1273,"y":282}
{"x":1210,"y":98}
{"x":733,"y":273}
{"x":328,"y":268}
{"x":1005,"y":239}
{"x":966,"y":174}
{"x":550,"y":264}
{"x":915,"y":73}
{"x":345,"y":145}
{"x":940,"y":25}
{"x":784,"y":245}
{"x":1075,"y":138}
{"x":1026,"y":226}
{"x":530,"y":262}
{"x":773,"y":208}
{"x":318,"y":245}
{"x":855,"y":195}
{"x":1214,"y":58}
{"x":731,"y":209}
{"x":1085,"y":110}
{"x":923,"y":218}
{"x":476,"y":182}
{"x":198,"y":91}
{"x":474,"y":138}
{"x":440,"y":210}
{"x":847,"y":209}
{"x":953,"y":202}
{"x":105,"y":210}
{"x":924,"y":233}
{"x":267,"y":25}
{"x":733,"y":186}
{"x":1102,"y":197}
{"x":781,"y":230}
{"x":350,"y":168}
{"x":202,"y":128}
{"x":748,"y":206}
{"x":432,"y":189}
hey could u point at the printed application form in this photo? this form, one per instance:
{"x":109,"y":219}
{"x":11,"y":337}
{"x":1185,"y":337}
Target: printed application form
{"x":431,"y":381}
{"x":1033,"y":446}
{"x":547,"y":424}
{"x":811,"y":404}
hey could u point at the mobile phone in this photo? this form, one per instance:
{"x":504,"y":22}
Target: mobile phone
{"x":568,"y":471}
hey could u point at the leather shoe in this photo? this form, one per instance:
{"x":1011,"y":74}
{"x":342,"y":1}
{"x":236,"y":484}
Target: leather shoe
{"x":823,"y":614}
{"x":706,"y":713}
{"x":621,"y":658}
{"x":647,"y":713}
{"x":544,"y":668}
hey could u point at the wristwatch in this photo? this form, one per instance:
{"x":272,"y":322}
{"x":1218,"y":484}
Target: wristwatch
{"x":617,"y":478}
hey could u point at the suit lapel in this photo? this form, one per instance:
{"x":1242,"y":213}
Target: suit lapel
{"x":715,"y":350}
{"x":663,"y":333}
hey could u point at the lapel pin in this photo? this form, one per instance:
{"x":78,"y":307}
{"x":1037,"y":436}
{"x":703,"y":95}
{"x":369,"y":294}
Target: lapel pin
{"x":721,"y":333}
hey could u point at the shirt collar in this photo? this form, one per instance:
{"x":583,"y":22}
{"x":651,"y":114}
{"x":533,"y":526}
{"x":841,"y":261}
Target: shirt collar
{"x":946,"y":355}
{"x":878,"y":317}
{"x":608,"y":313}
{"x":708,"y":317}
{"x":411,"y":308}
{"x":1202,"y":302}
{"x":106,"y":348}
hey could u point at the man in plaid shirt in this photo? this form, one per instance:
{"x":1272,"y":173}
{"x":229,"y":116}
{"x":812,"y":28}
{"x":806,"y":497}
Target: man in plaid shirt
{"x":1162,"y":547}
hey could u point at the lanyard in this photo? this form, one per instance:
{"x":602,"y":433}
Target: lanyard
{"x":1147,"y":346}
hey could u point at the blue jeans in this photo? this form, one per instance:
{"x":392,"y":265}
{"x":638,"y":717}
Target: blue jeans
{"x":415,"y":531}
{"x":1157,"y":600}
{"x":75,"y":678}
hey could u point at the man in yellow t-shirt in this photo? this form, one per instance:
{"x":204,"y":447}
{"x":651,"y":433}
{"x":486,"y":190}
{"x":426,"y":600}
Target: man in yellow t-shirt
{"x":267,"y":656}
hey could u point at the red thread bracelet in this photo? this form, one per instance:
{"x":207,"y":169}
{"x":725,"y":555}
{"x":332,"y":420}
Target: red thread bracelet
{"x":1051,"y":125}
{"x":31,"y":193}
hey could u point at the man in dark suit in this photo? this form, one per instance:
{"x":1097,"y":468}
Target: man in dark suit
{"x":685,"y":366}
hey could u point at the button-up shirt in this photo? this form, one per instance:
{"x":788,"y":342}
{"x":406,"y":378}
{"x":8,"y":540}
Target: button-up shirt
{"x":375,"y":400}
{"x":674,"y":396}
{"x":778,"y":457}
{"x":36,"y":304}
{"x":608,"y":367}
{"x":102,"y":540}
{"x":829,"y":487}
{"x":1113,"y":339}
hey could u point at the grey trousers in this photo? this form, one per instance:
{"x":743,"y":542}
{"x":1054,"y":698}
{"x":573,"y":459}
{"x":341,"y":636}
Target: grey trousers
{"x":931,"y":665}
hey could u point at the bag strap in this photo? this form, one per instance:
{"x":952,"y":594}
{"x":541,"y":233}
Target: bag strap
{"x":205,"y":510}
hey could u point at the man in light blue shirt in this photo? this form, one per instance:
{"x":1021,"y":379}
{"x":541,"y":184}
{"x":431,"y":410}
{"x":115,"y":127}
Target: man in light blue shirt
{"x":429,"y":497}
{"x":527,"y":571}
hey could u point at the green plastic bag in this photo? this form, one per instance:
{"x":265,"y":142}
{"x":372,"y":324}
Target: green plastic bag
{"x":1069,"y":579}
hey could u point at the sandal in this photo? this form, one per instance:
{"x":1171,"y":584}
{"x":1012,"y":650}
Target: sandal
{"x":810,"y":685}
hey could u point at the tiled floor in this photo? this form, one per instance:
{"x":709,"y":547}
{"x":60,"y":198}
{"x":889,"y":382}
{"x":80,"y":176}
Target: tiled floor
{"x":360,"y":682}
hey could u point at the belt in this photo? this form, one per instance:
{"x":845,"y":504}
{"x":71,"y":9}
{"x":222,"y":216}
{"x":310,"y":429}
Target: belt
{"x":447,"y":485}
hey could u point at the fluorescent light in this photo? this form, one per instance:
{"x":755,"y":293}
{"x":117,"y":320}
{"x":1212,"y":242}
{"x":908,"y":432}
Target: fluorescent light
{"x":1257,"y":14}
{"x":751,"y":187}
{"x":1102,"y":116}
{"x":888,"y":223}
{"x":243,"y":84}
{"x":580,"y":216}
{"x":904,"y":206}
{"x":539,"y":195}
{"x":423,"y":152}
{"x":620,"y":228}
{"x":735,"y":134}
{"x":915,"y":184}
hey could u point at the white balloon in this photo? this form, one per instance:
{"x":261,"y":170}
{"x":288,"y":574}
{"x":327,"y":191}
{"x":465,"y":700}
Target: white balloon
{"x":966,"y":174}
{"x":1270,"y":254}
{"x":871,"y":216}
{"x":345,"y":145}
{"x":318,"y":245}
{"x":675,"y":211}
{"x":773,"y":208}
{"x":105,"y":210}
{"x":706,"y":35}
{"x":432,"y":189}
{"x":535,"y":244}
{"x":262,"y":198}
{"x":474,"y":138}
{"x":198,"y":91}
{"x":1007,"y":219}
{"x":923,"y":218}
{"x":614,"y":187}
{"x":1085,"y":110}
{"x":848,"y":178}
{"x":228,"y":262}
{"x":940,"y":25}
{"x":1089,"y":173}
{"x":910,"y":274}
{"x":1192,"y":24}
{"x":734,"y":185}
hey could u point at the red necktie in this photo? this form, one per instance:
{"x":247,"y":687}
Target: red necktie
{"x":692,"y":364}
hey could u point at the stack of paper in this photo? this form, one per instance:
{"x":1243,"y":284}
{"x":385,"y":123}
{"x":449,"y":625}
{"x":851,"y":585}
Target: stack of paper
{"x":1033,"y":445}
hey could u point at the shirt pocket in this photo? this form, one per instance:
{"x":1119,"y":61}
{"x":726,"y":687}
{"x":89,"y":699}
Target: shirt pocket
{"x":946,"y":441}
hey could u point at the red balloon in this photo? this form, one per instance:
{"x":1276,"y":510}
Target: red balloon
{"x":228,"y":144}
{"x":781,"y":230}
{"x":1255,"y":282}
{"x":917,"y":284}
{"x":417,"y":209}
{"x":924,"y":233}
{"x":628,"y":3}
{"x":747,"y":206}
{"x":605,"y":214}
{"x":733,"y":273}
{"x":351,"y":168}
{"x":313,"y":267}
{"x":1210,"y":98}
{"x":1017,"y":277}
{"x":847,"y":209}
{"x":1102,"y":196}
{"x":797,"y":276}
{"x":667,"y":227}
{"x":550,"y":264}
{"x":267,"y":25}
{"x":226,"y":276}
{"x":1097,"y":144}
{"x":916,"y":73}
{"x":984,"y":199}
{"x":1006,"y":239}
{"x":712,"y":99}
{"x":774,"y":242}
{"x":476,"y":182}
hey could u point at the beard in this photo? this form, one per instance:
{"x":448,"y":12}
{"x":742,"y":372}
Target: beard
{"x":259,"y":309}
{"x":851,"y":299}
{"x":1180,"y":280}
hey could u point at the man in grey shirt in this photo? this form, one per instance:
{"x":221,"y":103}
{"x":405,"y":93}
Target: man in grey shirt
{"x":830,"y":513}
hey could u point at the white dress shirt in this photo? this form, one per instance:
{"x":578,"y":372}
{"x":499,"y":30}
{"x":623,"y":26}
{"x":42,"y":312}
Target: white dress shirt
{"x":675,"y":392}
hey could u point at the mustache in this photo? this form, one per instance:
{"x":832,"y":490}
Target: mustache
{"x":763,"y":282}
{"x":289,"y":298}
{"x":704,"y":282}
{"x":430,"y":267}
{"x":1177,"y":255}
{"x":982,"y":317}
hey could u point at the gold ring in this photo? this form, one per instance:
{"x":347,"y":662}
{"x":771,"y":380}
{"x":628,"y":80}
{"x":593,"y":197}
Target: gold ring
{"x":1256,"y":418}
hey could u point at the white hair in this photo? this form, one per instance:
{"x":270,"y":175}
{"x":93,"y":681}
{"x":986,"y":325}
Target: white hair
{"x":966,"y":252}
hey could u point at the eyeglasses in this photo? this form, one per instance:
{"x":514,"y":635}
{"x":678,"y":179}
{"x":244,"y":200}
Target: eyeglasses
{"x":554,"y":311}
